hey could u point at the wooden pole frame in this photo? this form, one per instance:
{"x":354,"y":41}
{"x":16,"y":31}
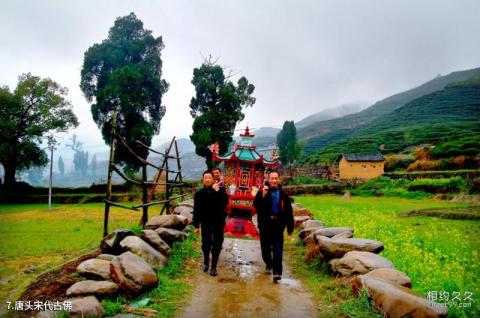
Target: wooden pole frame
{"x":110,"y":171}
{"x":164,"y":168}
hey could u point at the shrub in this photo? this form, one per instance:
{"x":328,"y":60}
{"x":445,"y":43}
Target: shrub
{"x":424,"y":165}
{"x":474,"y":185}
{"x":307,"y":180}
{"x":424,"y":153}
{"x":459,"y":161}
{"x":446,"y":164}
{"x":316,"y":188}
{"x":442,"y":185}
{"x":393,"y":163}
{"x":384,"y":186}
{"x":398,"y":163}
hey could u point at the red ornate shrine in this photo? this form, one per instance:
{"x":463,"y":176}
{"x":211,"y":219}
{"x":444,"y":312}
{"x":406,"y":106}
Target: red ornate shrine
{"x":243,"y":177}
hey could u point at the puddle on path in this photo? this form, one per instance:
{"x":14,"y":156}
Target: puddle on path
{"x":242,"y":289}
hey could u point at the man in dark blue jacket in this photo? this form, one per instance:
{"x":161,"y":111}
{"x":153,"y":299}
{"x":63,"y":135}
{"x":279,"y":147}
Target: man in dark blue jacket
{"x":209,"y":214}
{"x":274,"y":213}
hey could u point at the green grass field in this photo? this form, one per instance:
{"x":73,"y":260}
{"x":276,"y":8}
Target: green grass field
{"x":437,"y":254}
{"x":35,"y":239}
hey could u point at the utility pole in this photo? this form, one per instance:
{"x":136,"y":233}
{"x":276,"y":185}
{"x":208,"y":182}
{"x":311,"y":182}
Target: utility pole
{"x":51,"y":145}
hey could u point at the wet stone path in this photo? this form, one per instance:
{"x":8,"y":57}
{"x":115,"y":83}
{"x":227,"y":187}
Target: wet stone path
{"x":242,"y":289}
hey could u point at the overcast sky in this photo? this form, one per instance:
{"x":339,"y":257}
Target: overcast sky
{"x":302,"y":56}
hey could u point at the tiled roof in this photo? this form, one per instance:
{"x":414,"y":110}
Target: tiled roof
{"x":370,"y":157}
{"x":245,"y":154}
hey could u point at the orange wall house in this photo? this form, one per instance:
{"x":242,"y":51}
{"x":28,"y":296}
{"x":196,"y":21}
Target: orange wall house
{"x":361,"y":165}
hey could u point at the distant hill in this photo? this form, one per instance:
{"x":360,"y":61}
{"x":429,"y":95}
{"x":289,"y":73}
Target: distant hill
{"x":448,"y":118}
{"x":266,"y":132}
{"x":330,"y":113}
{"x":184,"y":145}
{"x":324,"y":133}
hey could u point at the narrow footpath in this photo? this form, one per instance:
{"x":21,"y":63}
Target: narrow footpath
{"x":243,"y":289}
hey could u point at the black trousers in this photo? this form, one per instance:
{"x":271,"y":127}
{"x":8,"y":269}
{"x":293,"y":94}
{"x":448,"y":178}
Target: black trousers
{"x":271,"y":243}
{"x":212,"y":241}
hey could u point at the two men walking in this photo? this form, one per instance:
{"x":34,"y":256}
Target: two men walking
{"x":274,"y":211}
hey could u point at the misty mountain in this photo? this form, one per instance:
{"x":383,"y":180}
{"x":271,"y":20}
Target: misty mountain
{"x":266,"y":132}
{"x":448,"y":118}
{"x":331,"y":113}
{"x":185,"y":145}
{"x":324,"y":133}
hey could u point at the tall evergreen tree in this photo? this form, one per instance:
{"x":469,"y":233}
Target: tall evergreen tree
{"x":94,"y":165}
{"x":124,"y":73}
{"x":216,"y":108}
{"x":80,"y":162}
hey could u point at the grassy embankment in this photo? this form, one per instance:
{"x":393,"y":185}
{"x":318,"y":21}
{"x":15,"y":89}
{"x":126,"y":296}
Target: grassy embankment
{"x":437,"y":254}
{"x":35,"y":240}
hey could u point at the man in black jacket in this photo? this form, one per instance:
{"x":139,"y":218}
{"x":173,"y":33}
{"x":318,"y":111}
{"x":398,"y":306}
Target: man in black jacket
{"x":218,"y":178}
{"x":274,"y":213}
{"x":209,"y":213}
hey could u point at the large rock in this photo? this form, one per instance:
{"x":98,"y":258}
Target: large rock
{"x":185,"y":211}
{"x":139,"y":247}
{"x":171,"y":235}
{"x":106,"y":257}
{"x":85,"y":307}
{"x":299,"y":210}
{"x":395,"y":300}
{"x":355,"y":262}
{"x":132,"y":273}
{"x":336,"y":248}
{"x":346,"y":234}
{"x":152,"y":238}
{"x":171,"y":221}
{"x":187,"y":203}
{"x":392,"y":276}
{"x":47,"y":314}
{"x":311,"y":224}
{"x":92,"y":287}
{"x":94,"y":268}
{"x":313,"y":253}
{"x":111,"y":243}
{"x":310,"y":240}
{"x":332,"y":231}
{"x":307,"y":232}
{"x":298,"y":220}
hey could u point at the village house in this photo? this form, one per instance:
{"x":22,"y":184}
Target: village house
{"x":361,"y":165}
